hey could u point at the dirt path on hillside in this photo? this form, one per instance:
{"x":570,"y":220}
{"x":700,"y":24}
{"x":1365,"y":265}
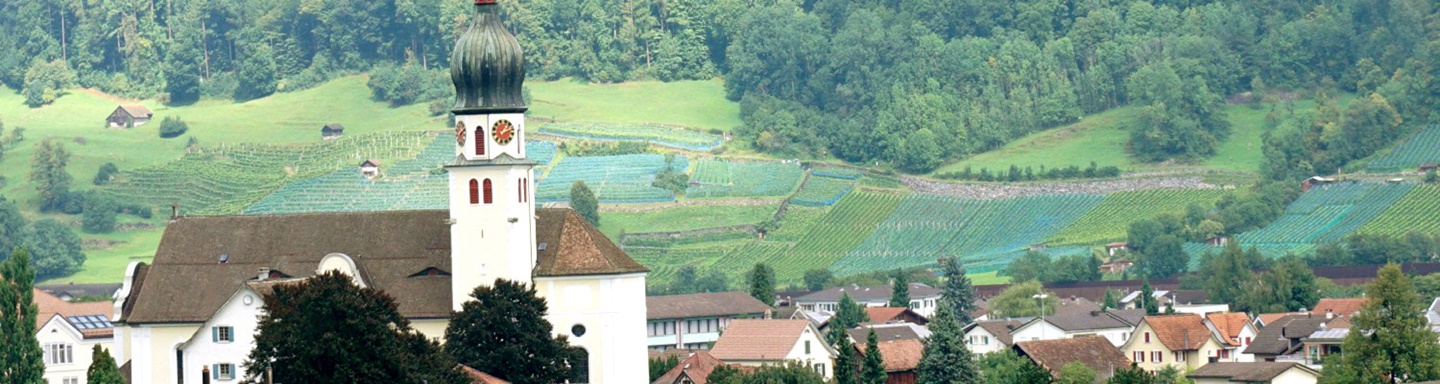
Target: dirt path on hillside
{"x":997,"y":191}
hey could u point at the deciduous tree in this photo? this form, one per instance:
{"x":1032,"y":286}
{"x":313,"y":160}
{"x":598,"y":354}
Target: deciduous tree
{"x":1390,"y":341}
{"x":502,"y":331}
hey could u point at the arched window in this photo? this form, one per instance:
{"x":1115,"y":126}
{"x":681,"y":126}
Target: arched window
{"x":474,"y":191}
{"x":489,"y":194}
{"x":479,"y":141}
{"x":580,"y":366}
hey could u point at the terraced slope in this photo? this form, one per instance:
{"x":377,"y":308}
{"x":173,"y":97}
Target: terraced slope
{"x":816,"y":245}
{"x":1418,"y":211}
{"x":1325,"y":214}
{"x":1424,"y":147}
{"x":1109,"y":221}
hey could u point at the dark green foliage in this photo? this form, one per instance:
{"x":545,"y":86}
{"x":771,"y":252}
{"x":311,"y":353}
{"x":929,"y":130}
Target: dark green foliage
{"x":660,"y":365}
{"x":1030,"y":266}
{"x":99,"y":213}
{"x":946,"y":358}
{"x":1019,"y":300}
{"x":761,"y":280}
{"x":873,"y":371}
{"x":1054,"y":173}
{"x":1323,"y":142}
{"x":1131,"y":375}
{"x":1076,"y":373}
{"x":1431,"y":177}
{"x":846,"y":367}
{"x":45,"y":81}
{"x":690,"y":280}
{"x":670,"y":179}
{"x":900,"y":290}
{"x":47,"y":173}
{"x":604,"y":148}
{"x":12,"y":227}
{"x":848,"y":313}
{"x":102,"y":368}
{"x":503,"y":332}
{"x":1006,"y":367}
{"x":956,"y":293}
{"x":409,"y":84}
{"x":583,"y":201}
{"x":1147,"y":299}
{"x":1225,"y":273}
{"x":20,"y":360}
{"x":1288,"y":286}
{"x":1181,"y":118}
{"x":1164,"y":258}
{"x":106,"y":173}
{"x":790,"y":373}
{"x":1371,"y":249}
{"x":257,"y":72}
{"x":327,"y":329}
{"x":55,"y":249}
{"x":172,"y":127}
{"x":1401,"y":344}
{"x":1112,"y":300}
{"x":817,"y":279}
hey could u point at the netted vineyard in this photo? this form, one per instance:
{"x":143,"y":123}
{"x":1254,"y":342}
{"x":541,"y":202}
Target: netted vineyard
{"x":614,"y":179}
{"x":1408,"y":155}
{"x":723,"y":178}
{"x":797,"y":247}
{"x":666,"y":136}
{"x":820,"y":191}
{"x":1325,"y":214}
{"x":1109,"y":221}
{"x":983,"y":233}
{"x":227,"y":178}
{"x":1418,"y":211}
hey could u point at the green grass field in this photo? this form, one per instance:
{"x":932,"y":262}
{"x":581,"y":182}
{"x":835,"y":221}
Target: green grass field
{"x":696,"y":104}
{"x":683,"y":218}
{"x":987,"y":278}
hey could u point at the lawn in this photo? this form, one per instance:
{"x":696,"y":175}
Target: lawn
{"x":697,"y":104}
{"x":988,"y":278}
{"x":683,"y":218}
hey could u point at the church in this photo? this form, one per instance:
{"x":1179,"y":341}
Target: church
{"x":190,"y":315}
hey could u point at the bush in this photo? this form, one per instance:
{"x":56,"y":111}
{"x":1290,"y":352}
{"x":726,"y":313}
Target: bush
{"x":408,"y":84}
{"x":45,"y":81}
{"x":99,"y":215}
{"x":604,"y":148}
{"x":172,"y":127}
{"x":106,"y":173}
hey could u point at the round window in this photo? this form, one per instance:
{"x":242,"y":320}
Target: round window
{"x":577,"y":330}
{"x":248,"y":300}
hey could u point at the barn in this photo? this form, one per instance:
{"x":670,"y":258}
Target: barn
{"x":129,"y":116}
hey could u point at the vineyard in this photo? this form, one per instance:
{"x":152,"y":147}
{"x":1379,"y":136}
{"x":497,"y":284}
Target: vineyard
{"x":1325,"y":214}
{"x":1110,"y":221}
{"x":225,"y":179}
{"x":983,"y":233}
{"x":819,"y":191}
{"x":808,"y":242}
{"x":723,"y":178}
{"x":1424,"y":147}
{"x":614,"y":179}
{"x":1416,"y":212}
{"x":666,"y":136}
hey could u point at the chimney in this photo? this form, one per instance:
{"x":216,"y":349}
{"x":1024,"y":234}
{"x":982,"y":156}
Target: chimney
{"x":1094,"y":313}
{"x":1329,"y":314}
{"x":174,"y":211}
{"x":264,"y":274}
{"x":205,"y":375}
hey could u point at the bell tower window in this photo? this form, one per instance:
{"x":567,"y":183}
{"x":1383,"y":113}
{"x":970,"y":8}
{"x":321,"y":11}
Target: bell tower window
{"x":475,"y":191}
{"x":489,"y":194}
{"x":479,"y":141}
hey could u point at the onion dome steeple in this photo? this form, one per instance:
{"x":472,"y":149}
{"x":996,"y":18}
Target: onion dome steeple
{"x":487,"y":66}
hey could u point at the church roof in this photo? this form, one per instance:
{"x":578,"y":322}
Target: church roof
{"x":188,"y":282}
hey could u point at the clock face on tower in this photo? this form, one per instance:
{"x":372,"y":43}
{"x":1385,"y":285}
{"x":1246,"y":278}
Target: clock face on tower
{"x":460,"y":133}
{"x":503,"y":132}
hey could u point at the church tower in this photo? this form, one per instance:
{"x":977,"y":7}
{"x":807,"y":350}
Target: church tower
{"x":492,"y":233}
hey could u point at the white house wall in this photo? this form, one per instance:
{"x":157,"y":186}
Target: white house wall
{"x":242,"y":313}
{"x":57,"y":331}
{"x":820,"y":352}
{"x":615,"y":334}
{"x":980,"y":341}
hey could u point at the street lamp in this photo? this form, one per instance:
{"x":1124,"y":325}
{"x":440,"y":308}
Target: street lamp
{"x":1040,"y":300}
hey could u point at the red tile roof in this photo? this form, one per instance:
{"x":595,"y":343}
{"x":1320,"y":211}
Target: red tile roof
{"x":50,"y":306}
{"x":1093,"y":351}
{"x":1269,"y":318}
{"x":477,"y":377}
{"x":1179,"y":332}
{"x":1229,"y":325}
{"x":696,"y":367}
{"x":899,"y":355}
{"x":751,"y":339}
{"x":883,"y":314}
{"x":1340,"y":307}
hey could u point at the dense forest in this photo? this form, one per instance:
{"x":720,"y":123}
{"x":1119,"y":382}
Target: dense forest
{"x":908,"y":82}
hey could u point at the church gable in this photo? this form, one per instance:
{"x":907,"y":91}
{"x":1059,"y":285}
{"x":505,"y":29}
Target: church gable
{"x":573,"y":247}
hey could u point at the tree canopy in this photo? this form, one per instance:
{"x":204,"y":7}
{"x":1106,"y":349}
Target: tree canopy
{"x":502,"y":331}
{"x":20,"y":360}
{"x":1390,"y":339}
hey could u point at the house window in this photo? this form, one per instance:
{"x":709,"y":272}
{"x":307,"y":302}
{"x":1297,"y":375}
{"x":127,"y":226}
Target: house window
{"x":1178,"y":356}
{"x":71,"y":380}
{"x":474,"y":191}
{"x":222,"y":334}
{"x":57,"y":353}
{"x":807,"y":347}
{"x":489,"y":194}
{"x":820,"y":368}
{"x":580,"y":367}
{"x":1247,"y":341}
{"x":1138,"y":356}
{"x":1157,"y":357}
{"x":222,"y":372}
{"x":1147,"y":337}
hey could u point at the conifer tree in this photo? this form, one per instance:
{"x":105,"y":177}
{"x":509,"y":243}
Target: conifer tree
{"x":849,"y":314}
{"x":874,"y":372}
{"x":947,"y":359}
{"x":583,"y":201}
{"x":956,"y":291}
{"x":1147,"y":299}
{"x":102,"y":368}
{"x":1390,"y":341}
{"x":900,"y":290}
{"x":762,"y":284}
{"x":20,"y":358}
{"x":844,"y":356}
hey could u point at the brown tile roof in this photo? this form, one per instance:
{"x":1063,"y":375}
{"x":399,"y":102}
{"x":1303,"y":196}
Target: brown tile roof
{"x":477,"y":377}
{"x":1269,"y":318}
{"x":137,"y":110}
{"x":1093,"y":351}
{"x":1179,"y":332}
{"x":696,"y":368}
{"x":1087,"y":321}
{"x":1075,"y":305}
{"x":750,"y":339}
{"x":702,"y":305}
{"x":899,"y":355}
{"x":1229,"y":325}
{"x":1275,"y":338}
{"x":1340,"y":307}
{"x":49,"y":306}
{"x":1256,"y":372}
{"x":187,"y":282}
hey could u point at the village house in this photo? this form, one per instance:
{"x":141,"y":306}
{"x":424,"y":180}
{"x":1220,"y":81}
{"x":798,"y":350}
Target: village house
{"x":370,"y":168}
{"x":72,"y":291}
{"x":1326,"y":341}
{"x":332,"y":131}
{"x":1113,"y":327}
{"x":694,"y":321}
{"x":1094,"y":352}
{"x":1235,"y":332}
{"x":1339,"y":307}
{"x":693,"y":369}
{"x":1254,"y":372}
{"x":887,"y":315}
{"x":1116,"y":266}
{"x":900,"y":357}
{"x":129,"y":116}
{"x":1282,"y":339}
{"x":190,"y":311}
{"x":988,"y":336}
{"x":1113,"y":248}
{"x":889,"y":332}
{"x":923,"y":298}
{"x":1181,"y":341}
{"x":68,"y":333}
{"x":753,"y":342}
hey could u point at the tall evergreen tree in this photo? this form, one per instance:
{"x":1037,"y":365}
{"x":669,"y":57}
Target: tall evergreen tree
{"x":583,"y":201}
{"x":12,"y":225}
{"x":20,"y":359}
{"x":845,"y":367}
{"x":502,"y":331}
{"x":762,"y":284}
{"x":900,"y":290}
{"x":1390,"y":341}
{"x":874,"y":372}
{"x":1147,"y":299}
{"x":102,"y":368}
{"x":956,"y":293}
{"x":47,"y":171}
{"x":848,"y":314}
{"x":946,"y":358}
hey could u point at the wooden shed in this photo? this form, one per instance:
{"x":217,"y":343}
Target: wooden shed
{"x":129,"y":116}
{"x":370,"y":168}
{"x":332,"y":131}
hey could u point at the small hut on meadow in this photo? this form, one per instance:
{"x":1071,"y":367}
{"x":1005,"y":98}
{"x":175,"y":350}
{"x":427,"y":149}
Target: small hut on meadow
{"x":129,"y":116}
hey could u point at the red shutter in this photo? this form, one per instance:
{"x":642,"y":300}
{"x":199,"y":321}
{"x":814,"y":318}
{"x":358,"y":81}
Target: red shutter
{"x":489,"y":194}
{"x":1147,"y":337}
{"x":479,"y":141}
{"x":474,"y":191}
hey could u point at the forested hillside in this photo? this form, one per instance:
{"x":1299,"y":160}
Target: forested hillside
{"x":909,"y":82}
